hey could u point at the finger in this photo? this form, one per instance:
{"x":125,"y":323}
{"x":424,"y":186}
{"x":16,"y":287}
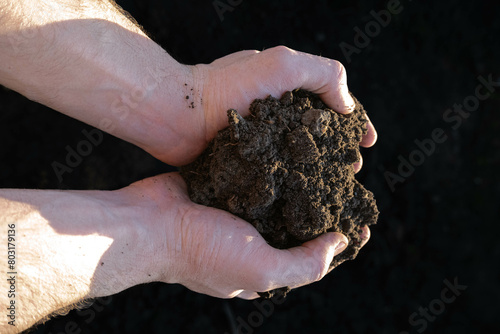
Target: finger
{"x":288,"y":69}
{"x":248,"y":295}
{"x":371,"y":136}
{"x":308,"y":263}
{"x":327,"y":78}
{"x":365,"y":235}
{"x":357,"y":165}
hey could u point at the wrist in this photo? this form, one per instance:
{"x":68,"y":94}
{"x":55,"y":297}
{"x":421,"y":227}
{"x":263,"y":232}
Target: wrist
{"x":172,"y":122}
{"x":158,"y":209}
{"x":74,"y":245}
{"x":130,"y":258}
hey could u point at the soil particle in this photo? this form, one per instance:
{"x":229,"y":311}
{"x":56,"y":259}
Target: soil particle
{"x":287,"y":169}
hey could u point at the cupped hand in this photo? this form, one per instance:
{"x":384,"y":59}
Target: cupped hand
{"x":234,"y":81}
{"x":216,"y":253}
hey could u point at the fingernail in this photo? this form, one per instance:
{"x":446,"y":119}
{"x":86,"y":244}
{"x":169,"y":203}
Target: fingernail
{"x":364,"y":233}
{"x":340,"y":247}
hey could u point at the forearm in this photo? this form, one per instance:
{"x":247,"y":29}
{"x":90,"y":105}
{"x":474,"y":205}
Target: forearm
{"x":89,"y":61}
{"x":68,"y":246}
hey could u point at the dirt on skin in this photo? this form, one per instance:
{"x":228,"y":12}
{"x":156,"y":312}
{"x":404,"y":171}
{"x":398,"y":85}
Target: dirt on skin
{"x":287,"y":169}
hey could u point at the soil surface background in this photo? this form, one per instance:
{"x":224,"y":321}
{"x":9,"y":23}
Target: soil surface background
{"x":439,"y":225}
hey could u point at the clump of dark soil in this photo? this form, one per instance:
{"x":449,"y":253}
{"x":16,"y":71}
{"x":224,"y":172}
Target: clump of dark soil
{"x":288,"y":170}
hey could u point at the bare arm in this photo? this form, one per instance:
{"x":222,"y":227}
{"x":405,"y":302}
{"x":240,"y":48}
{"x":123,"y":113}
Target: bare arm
{"x":86,"y":59}
{"x":67,"y":246}
{"x":74,"y":245}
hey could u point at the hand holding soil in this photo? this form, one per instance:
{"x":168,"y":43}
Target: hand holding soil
{"x":86,"y":244}
{"x":216,"y":253}
{"x":233,"y":82}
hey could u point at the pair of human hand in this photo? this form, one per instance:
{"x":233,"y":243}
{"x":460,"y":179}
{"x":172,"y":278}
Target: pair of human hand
{"x":86,"y":244}
{"x":212,"y":251}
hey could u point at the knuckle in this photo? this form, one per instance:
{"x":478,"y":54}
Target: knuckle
{"x":340,"y":71}
{"x":263,"y":281}
{"x":318,"y":273}
{"x":281,"y":50}
{"x":282,"y":66}
{"x":263,"y":275}
{"x":316,"y":269}
{"x":282,"y":54}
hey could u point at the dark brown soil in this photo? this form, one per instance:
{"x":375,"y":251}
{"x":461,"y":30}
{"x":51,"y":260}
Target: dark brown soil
{"x":288,"y":170}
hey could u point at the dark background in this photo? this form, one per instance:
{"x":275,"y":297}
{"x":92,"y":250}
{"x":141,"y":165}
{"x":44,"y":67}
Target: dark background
{"x":440,"y":224}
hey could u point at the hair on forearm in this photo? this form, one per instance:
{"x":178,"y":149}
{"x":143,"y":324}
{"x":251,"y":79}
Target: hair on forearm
{"x":128,"y":16}
{"x":81,"y":305}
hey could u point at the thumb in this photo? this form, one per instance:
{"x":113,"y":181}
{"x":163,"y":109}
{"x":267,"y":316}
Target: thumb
{"x":310,"y":262}
{"x":341,"y":99}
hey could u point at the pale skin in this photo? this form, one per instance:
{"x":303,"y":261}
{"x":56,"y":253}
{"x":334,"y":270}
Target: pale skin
{"x":86,"y":59}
